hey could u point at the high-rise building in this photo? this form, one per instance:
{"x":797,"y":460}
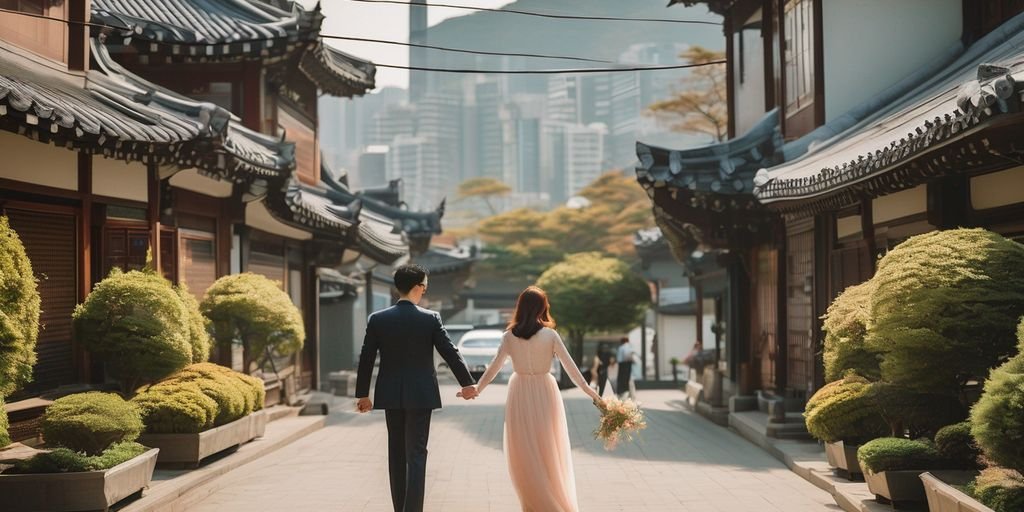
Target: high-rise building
{"x":584,"y":156}
{"x":417,"y":54}
{"x":417,"y":162}
{"x":371,"y":168}
{"x":489,"y":151}
{"x":393,"y":121}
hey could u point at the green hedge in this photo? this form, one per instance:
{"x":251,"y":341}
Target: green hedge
{"x":896,"y":454}
{"x":956,"y":445}
{"x":198,"y":325}
{"x":138,"y":326}
{"x":5,"y":436}
{"x":845,"y":325}
{"x":997,"y":420}
{"x":19,"y":312}
{"x":199,"y":397}
{"x":844,"y":410}
{"x":945,"y":307}
{"x":63,"y":460}
{"x":90,"y":422}
{"x":178,"y":409}
{"x":1000,"y":489}
{"x":253,"y":309}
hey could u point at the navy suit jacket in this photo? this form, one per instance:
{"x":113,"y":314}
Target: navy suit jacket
{"x":406,"y":336}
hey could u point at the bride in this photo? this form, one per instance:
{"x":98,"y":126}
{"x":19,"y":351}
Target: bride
{"x":536,"y":434}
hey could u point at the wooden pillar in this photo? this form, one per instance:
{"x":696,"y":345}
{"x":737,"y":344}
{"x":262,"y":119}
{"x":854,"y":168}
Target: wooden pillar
{"x":867,"y":229}
{"x":824,"y":233}
{"x":81,"y":356}
{"x":730,"y":75}
{"x":782,"y":314}
{"x":153,"y":214}
{"x":78,"y":35}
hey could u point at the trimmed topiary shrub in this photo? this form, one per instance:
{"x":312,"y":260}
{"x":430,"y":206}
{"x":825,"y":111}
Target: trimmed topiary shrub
{"x":90,"y":422}
{"x":198,"y":333}
{"x":897,"y":454}
{"x":944,"y":308}
{"x":5,"y":436}
{"x":19,"y":312}
{"x":182,"y":408}
{"x":199,"y":397}
{"x":916,"y":414}
{"x":844,"y":410}
{"x":254,"y":310}
{"x":63,"y":460}
{"x":845,"y":326}
{"x":138,"y":326}
{"x":997,"y":420}
{"x":956,"y":445}
{"x":1000,"y":489}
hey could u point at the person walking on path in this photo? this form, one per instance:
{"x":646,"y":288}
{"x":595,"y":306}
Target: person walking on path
{"x":625,"y":356}
{"x":537,"y":446}
{"x":602,"y":360}
{"x":406,"y":336}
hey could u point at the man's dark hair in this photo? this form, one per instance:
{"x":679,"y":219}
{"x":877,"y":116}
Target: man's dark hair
{"x":408,"y":276}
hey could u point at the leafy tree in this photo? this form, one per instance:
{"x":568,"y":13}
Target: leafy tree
{"x":138,"y":326}
{"x":593,"y":293}
{"x":198,"y":333}
{"x":254,"y":310}
{"x":845,"y":326}
{"x":527,"y":242}
{"x":997,"y":420}
{"x":19,"y":312}
{"x":485,"y":189}
{"x":700,"y":105}
{"x":845,"y":410}
{"x":945,"y":308}
{"x":90,"y":422}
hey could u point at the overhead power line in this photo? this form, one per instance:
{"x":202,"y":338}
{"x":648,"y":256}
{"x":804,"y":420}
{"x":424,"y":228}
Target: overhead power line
{"x":462,"y":50}
{"x":541,"y":14}
{"x":549,"y":71}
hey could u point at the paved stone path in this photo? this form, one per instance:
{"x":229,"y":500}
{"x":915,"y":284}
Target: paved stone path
{"x":682,"y":463}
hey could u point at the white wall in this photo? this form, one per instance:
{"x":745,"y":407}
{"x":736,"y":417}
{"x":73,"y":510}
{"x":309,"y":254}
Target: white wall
{"x":29,"y":161}
{"x":749,"y":94}
{"x":676,"y":336}
{"x":117,"y":178}
{"x":872,"y":44}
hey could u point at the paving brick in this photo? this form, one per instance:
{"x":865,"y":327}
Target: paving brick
{"x":682,"y":462}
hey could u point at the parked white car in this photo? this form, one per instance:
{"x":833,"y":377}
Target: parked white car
{"x":455,"y":332}
{"x":478,"y":348}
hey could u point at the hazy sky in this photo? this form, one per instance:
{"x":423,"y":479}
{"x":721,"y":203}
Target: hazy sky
{"x":383,"y":21}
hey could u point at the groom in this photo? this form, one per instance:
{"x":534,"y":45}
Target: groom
{"x":406,"y":336}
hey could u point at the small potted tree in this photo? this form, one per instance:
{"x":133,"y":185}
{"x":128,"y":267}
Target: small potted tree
{"x":843,"y":415}
{"x":137,"y":325}
{"x":944,"y":488}
{"x":252,"y":310}
{"x":19,"y":327}
{"x":91,"y":459}
{"x":675,"y":369}
{"x":893,"y":466}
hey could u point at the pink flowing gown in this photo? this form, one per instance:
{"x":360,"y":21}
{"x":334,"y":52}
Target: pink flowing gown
{"x":536,"y":433}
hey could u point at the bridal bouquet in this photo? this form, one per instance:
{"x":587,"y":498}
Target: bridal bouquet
{"x":619,"y":419}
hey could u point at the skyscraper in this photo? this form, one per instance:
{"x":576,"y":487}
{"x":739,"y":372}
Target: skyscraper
{"x":417,"y":55}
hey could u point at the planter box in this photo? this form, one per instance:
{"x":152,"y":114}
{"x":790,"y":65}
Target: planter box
{"x":72,"y":492}
{"x":896,"y":486}
{"x":191,"y":449}
{"x":943,"y":497}
{"x":843,"y":457}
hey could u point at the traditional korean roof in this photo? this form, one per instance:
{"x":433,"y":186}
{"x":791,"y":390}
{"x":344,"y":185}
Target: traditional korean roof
{"x":439,"y":260}
{"x":715,"y":6}
{"x":936,"y":128}
{"x":710,"y":188}
{"x":337,"y":73}
{"x":419,"y":227}
{"x":230,"y":30}
{"x":112,"y":112}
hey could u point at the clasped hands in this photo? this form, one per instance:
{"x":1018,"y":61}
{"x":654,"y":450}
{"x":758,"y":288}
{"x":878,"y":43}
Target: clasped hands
{"x":468,"y":393}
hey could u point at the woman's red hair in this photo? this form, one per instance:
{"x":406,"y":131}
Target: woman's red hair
{"x":532,"y":314}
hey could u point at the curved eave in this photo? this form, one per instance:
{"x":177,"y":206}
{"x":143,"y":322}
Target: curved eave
{"x":378,"y":240}
{"x":337,"y":73}
{"x":724,"y":168}
{"x":304,"y":208}
{"x":979,"y":90}
{"x":415,"y":224}
{"x":196,"y":30}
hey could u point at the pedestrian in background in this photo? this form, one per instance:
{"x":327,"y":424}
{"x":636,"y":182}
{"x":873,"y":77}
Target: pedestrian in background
{"x":599,"y":371}
{"x":625,"y":357}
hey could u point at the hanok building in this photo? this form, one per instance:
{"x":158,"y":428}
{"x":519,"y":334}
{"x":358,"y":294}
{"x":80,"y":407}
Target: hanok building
{"x":216,"y":169}
{"x":891,"y":127}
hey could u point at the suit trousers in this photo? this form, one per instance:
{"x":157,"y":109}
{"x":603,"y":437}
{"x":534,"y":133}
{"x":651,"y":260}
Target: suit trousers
{"x":408,"y":430}
{"x":602,"y":379}
{"x":625,"y":373}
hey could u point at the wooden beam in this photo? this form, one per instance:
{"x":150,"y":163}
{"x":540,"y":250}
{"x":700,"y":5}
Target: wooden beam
{"x":730,"y":74}
{"x":78,"y":35}
{"x":81,"y":357}
{"x":867,"y":229}
{"x":153,"y":214}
